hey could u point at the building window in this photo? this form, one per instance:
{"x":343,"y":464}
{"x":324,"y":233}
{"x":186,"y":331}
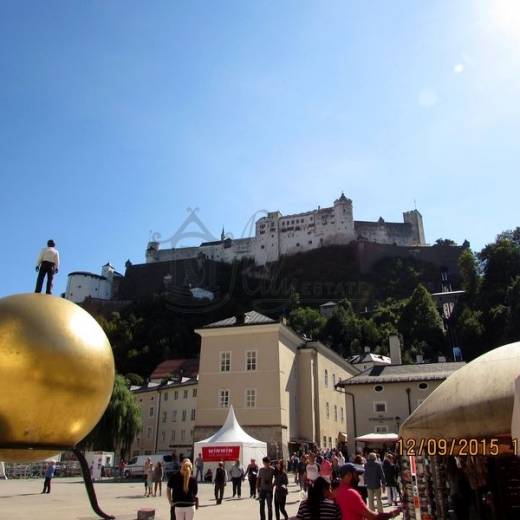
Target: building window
{"x":165,"y":398}
{"x":330,"y":442}
{"x":335,"y":413}
{"x":324,"y":441}
{"x":193,"y":414}
{"x":334,"y":380}
{"x":150,"y":412}
{"x":164,"y":417}
{"x":223,"y":399}
{"x":176,"y":395}
{"x":250,"y":398}
{"x":379,"y":388}
{"x":174,"y":416}
{"x":173,"y":435}
{"x":327,"y":410}
{"x":380,"y":407}
{"x":184,"y":415}
{"x":251,"y":360}
{"x":326,"y":378}
{"x":341,"y":417}
{"x":225,"y":361}
{"x":185,"y":394}
{"x":149,"y":433}
{"x":423,"y":386}
{"x":381,"y":429}
{"x":194,"y":392}
{"x":163,"y":436}
{"x":183,"y":435}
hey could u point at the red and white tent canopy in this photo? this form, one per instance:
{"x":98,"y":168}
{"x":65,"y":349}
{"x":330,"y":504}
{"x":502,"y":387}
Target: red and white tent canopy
{"x":230,"y":443}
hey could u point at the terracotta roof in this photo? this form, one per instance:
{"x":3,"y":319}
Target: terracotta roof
{"x":250,"y":318}
{"x":398,"y":373}
{"x":189,"y":367}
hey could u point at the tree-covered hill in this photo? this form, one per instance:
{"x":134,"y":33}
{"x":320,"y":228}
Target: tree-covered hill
{"x":392,"y":296}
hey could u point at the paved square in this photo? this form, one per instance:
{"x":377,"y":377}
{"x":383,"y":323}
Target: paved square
{"x":20,"y":499}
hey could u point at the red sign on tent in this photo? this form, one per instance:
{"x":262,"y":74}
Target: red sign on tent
{"x":218,"y":453}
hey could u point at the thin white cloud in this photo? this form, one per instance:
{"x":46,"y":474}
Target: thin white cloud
{"x":427,"y":98}
{"x":459,"y":68}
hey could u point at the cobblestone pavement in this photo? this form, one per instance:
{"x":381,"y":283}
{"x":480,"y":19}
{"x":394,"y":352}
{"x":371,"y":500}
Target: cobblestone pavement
{"x":21,"y":500}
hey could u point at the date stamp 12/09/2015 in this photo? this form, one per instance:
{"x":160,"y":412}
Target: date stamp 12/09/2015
{"x":448,"y":447}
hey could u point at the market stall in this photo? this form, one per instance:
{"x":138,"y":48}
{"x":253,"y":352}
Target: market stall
{"x":229,"y":444}
{"x":461,"y":438}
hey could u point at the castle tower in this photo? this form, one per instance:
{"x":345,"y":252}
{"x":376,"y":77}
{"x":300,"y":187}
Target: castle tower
{"x":108,"y":271}
{"x":415,"y":219}
{"x":152,"y":251}
{"x":344,"y":218}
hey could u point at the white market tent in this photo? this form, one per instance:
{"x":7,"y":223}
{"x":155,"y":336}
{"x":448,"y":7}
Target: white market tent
{"x":230,"y":443}
{"x":390,"y":438}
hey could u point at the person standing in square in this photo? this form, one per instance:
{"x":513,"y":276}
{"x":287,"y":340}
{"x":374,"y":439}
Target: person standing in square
{"x":47,"y":264}
{"x":264,"y":485}
{"x":49,"y":474}
{"x":220,"y":482}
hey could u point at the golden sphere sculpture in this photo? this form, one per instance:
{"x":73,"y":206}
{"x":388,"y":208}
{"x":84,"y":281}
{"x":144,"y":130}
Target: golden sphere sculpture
{"x":56,"y":375}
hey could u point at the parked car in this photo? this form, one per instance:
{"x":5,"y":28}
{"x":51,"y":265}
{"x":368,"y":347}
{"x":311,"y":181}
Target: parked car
{"x":135,"y":466}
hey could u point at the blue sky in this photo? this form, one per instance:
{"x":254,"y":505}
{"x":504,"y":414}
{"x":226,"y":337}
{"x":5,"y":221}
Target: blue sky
{"x":115,"y":117}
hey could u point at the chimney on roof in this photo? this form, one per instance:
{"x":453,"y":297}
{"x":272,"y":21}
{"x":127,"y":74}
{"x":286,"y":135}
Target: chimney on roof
{"x":241,"y":318}
{"x":441,"y":359}
{"x":420,"y":359}
{"x":367,"y":350}
{"x":395,"y":350}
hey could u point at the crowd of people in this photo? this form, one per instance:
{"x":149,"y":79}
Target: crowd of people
{"x":332,"y":487}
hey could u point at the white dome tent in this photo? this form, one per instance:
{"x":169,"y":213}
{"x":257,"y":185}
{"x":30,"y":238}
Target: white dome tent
{"x":229,"y":444}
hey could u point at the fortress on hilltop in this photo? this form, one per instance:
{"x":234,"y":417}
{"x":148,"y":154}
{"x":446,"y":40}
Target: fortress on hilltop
{"x":277,"y":235}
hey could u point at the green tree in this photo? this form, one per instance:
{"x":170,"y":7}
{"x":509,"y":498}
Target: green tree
{"x":386,"y":317}
{"x":307,"y":321}
{"x":501,"y":261}
{"x":421,"y":324}
{"x":134,"y":379}
{"x":513,"y":302}
{"x":120,"y":423}
{"x":470,"y":333}
{"x":469,"y":274}
{"x":445,"y":242}
{"x":510,"y":234}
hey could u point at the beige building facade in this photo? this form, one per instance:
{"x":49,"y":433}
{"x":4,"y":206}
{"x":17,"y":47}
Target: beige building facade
{"x":379,"y":399}
{"x":281,"y":386}
{"x":168,"y":415}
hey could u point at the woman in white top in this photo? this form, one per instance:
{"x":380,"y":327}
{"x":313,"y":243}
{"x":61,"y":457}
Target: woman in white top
{"x":312,"y":470}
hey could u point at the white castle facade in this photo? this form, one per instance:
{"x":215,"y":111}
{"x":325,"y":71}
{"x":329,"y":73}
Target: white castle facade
{"x":277,"y":235}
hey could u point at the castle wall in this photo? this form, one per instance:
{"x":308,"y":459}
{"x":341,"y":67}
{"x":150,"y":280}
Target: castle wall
{"x":277,"y":235}
{"x":180,"y":253}
{"x":386,"y":233}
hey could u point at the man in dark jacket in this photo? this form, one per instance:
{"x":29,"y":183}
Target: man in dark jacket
{"x":264,"y":484}
{"x":375,"y":481}
{"x":220,"y":482}
{"x":252,"y":473}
